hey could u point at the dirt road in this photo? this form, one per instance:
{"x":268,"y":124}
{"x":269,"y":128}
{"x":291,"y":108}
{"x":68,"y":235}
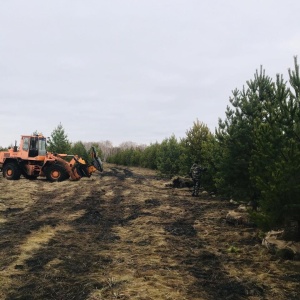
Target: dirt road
{"x":125,"y":235}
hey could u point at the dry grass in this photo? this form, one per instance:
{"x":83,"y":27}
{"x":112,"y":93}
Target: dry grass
{"x":124,"y":235}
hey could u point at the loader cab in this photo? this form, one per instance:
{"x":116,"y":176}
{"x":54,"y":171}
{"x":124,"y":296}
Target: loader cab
{"x":33,"y":145}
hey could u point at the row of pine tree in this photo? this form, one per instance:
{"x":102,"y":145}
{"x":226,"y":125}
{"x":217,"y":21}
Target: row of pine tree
{"x":254,"y":154}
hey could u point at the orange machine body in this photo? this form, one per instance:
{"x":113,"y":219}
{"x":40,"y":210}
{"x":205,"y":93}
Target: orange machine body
{"x":32,"y":160}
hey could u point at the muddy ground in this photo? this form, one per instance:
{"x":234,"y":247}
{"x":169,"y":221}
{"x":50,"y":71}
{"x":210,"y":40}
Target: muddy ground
{"x":125,"y":235}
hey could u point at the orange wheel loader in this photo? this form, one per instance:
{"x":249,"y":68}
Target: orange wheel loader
{"x":32,"y":160}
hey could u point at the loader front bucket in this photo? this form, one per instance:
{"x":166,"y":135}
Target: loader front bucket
{"x":96,"y":162}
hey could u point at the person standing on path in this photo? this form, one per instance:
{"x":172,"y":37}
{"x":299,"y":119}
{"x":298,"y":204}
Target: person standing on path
{"x":195,"y":173}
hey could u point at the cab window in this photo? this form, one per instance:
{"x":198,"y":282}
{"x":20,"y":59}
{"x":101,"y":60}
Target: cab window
{"x":25,"y":143}
{"x":42,"y":147}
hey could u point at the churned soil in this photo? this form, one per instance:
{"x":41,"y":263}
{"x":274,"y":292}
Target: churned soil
{"x":125,"y":234}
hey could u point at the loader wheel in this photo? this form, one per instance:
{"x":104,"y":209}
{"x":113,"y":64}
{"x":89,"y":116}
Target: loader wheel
{"x":56,"y":173}
{"x":11,"y":171}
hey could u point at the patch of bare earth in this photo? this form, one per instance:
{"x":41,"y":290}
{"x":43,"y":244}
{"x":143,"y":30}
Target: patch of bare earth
{"x":125,"y":235}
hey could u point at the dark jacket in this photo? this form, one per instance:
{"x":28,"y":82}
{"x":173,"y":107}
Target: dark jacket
{"x":195,"y":171}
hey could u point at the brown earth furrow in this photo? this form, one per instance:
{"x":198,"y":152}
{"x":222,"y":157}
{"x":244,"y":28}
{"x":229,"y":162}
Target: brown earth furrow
{"x":125,"y":235}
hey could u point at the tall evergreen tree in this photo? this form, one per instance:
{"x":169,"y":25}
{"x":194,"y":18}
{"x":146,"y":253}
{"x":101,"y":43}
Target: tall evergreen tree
{"x":195,"y":139}
{"x":58,"y":142}
{"x":276,"y":158}
{"x":236,"y":137}
{"x":197,"y":145}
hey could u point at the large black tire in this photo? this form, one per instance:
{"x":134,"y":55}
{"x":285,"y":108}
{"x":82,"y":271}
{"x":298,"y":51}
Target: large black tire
{"x":11,"y":171}
{"x":56,"y":172}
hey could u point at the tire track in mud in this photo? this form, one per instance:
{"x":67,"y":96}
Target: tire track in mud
{"x":71,"y":221}
{"x":125,"y":235}
{"x":188,"y":257}
{"x":191,"y":256}
{"x":52,"y":249}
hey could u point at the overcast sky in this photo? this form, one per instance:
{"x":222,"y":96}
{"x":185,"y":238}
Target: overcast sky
{"x":134,"y":70}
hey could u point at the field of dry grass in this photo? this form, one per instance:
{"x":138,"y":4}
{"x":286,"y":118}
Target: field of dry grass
{"x":125,"y":235}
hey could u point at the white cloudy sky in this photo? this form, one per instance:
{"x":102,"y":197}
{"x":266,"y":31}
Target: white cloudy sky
{"x":134,"y":70}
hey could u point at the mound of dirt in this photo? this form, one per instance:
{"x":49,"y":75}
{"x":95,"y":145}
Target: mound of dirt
{"x":125,"y":234}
